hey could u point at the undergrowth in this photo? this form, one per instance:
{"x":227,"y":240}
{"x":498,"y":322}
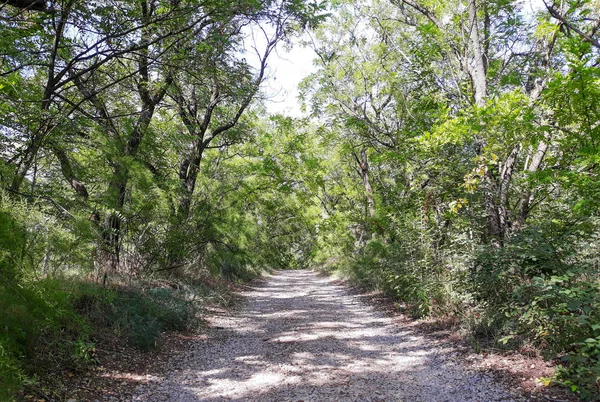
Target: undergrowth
{"x":138,"y":315}
{"x":50,"y":326}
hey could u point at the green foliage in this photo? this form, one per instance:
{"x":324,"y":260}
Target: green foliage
{"x":582,"y":371}
{"x":39,"y":333}
{"x":405,"y":275}
{"x":49,"y":323}
{"x":12,"y":243}
{"x":38,"y":327}
{"x":50,"y":327}
{"x":540,"y":290}
{"x":137,"y":315}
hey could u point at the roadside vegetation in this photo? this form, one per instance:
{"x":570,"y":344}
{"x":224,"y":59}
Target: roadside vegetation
{"x":465,"y":186}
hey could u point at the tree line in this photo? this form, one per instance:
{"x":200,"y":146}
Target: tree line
{"x":467,"y":132}
{"x":135,"y":146}
{"x":112,"y":98}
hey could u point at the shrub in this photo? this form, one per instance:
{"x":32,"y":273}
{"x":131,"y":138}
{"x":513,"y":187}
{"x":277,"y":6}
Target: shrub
{"x":39,"y":331}
{"x":11,"y":372}
{"x":582,"y":370}
{"x":48,"y":324}
{"x":539,"y":290}
{"x":139,"y":315}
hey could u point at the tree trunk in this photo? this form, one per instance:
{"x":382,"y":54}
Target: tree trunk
{"x":489,"y":188}
{"x":68,"y":174}
{"x":477,"y":69}
{"x":364,"y":170}
{"x":504,"y":191}
{"x":526,"y":197}
{"x":111,"y":230}
{"x":188,"y":174}
{"x":118,"y":185}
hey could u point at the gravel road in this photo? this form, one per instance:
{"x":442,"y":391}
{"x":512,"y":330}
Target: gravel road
{"x":302,"y":337}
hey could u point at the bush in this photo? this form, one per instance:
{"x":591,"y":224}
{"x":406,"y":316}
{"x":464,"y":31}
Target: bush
{"x":11,"y":372}
{"x":48,"y":324}
{"x":404,"y":275}
{"x":39,"y":332}
{"x":139,"y":315}
{"x":540,"y":290}
{"x":547,"y":296}
{"x":582,"y":370}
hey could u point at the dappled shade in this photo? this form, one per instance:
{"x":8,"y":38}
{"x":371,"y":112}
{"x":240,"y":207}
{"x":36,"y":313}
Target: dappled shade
{"x":301,"y":336}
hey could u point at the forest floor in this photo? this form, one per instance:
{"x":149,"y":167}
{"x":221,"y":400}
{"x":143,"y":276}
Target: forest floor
{"x":299,"y":336}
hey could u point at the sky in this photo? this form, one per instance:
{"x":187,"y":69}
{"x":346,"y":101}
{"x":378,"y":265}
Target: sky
{"x":286,"y":69}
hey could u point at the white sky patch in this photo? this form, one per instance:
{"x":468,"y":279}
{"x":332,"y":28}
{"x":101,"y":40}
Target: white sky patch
{"x":535,"y":5}
{"x":287,"y":67}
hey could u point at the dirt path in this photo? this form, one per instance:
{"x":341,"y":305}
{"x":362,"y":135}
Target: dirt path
{"x":301,"y":337}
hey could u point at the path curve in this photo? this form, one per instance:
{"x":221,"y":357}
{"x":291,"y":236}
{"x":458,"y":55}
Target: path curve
{"x":302,"y":337}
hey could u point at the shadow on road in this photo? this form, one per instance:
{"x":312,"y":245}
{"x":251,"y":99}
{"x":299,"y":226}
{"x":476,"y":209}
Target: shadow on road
{"x":302,"y":337}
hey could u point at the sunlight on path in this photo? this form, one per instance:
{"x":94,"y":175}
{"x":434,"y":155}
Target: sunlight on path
{"x":301,"y":337}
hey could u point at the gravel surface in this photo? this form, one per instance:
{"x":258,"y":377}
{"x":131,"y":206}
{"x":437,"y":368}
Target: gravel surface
{"x":302,"y":337}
